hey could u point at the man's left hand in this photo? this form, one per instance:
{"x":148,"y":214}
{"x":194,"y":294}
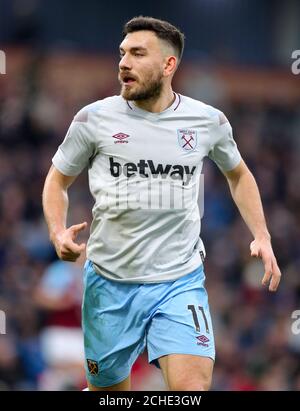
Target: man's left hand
{"x":262,"y":248}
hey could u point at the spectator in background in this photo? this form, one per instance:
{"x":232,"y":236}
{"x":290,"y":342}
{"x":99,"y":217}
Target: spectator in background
{"x":59,"y":295}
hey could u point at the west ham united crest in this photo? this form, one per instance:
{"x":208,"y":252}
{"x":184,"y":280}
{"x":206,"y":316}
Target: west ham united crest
{"x":92,"y":367}
{"x":187,"y":139}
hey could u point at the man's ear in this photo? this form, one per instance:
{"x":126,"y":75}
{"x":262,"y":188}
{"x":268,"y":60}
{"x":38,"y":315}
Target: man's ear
{"x":170,"y":66}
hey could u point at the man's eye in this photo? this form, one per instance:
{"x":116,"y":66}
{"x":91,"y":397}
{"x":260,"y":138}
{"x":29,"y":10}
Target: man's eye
{"x":138,"y":54}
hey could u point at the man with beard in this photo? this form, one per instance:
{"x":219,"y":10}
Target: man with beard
{"x":144,"y":278}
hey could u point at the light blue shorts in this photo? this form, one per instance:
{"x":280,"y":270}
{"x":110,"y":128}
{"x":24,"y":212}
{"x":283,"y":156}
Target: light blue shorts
{"x":120,"y":320}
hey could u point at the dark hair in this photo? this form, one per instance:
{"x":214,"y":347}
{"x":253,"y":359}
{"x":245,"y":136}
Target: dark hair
{"x":161,"y":28}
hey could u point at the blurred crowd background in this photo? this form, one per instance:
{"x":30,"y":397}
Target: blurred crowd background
{"x":61,"y":56}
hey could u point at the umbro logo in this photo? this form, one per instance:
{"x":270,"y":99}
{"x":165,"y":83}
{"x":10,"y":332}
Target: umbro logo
{"x":202,"y":340}
{"x":121,"y":138}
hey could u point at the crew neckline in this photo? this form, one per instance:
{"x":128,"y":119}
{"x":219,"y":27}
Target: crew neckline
{"x":172,"y":107}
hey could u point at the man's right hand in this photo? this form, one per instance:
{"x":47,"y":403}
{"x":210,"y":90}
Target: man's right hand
{"x":64,"y":242}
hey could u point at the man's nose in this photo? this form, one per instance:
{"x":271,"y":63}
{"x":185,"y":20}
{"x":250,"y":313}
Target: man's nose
{"x":125,"y":63}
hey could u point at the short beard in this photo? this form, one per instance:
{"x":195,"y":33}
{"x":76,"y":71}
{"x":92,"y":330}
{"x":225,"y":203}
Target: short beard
{"x":152,"y":91}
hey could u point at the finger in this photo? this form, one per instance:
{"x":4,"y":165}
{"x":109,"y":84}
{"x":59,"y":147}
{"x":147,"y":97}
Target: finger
{"x":69,"y":258}
{"x":82,"y":247}
{"x":78,"y":227}
{"x":67,"y":253}
{"x":71,"y":247}
{"x":268,"y":271}
{"x":254,"y":248}
{"x":276,"y":277}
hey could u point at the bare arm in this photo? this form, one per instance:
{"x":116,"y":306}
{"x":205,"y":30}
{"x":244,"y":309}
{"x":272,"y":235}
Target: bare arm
{"x":55,"y":206}
{"x":245,"y":193}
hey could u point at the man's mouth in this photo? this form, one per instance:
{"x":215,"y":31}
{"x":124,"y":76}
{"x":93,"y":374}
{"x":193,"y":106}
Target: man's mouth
{"x":128,"y":80}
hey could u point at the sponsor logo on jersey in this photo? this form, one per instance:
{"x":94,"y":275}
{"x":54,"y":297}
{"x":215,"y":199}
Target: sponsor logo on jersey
{"x":202,"y":340}
{"x":147,"y":168}
{"x":92,"y":367}
{"x":187,"y":139}
{"x":121,"y":138}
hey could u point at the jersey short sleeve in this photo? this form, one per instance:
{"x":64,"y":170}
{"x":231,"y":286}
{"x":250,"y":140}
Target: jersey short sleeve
{"x":224,"y":151}
{"x":77,"y":148}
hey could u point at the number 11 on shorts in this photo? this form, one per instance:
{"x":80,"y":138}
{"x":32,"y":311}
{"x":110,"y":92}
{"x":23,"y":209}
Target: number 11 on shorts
{"x":195,"y":317}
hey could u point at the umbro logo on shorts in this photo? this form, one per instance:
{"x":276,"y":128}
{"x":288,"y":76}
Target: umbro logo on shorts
{"x":92,"y":367}
{"x":202,"y":340}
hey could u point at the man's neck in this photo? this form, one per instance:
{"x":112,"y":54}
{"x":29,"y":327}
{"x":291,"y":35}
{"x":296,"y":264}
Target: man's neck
{"x":159,"y":104}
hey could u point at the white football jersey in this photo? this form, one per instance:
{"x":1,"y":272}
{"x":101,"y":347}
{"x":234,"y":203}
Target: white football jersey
{"x":144,"y":172}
